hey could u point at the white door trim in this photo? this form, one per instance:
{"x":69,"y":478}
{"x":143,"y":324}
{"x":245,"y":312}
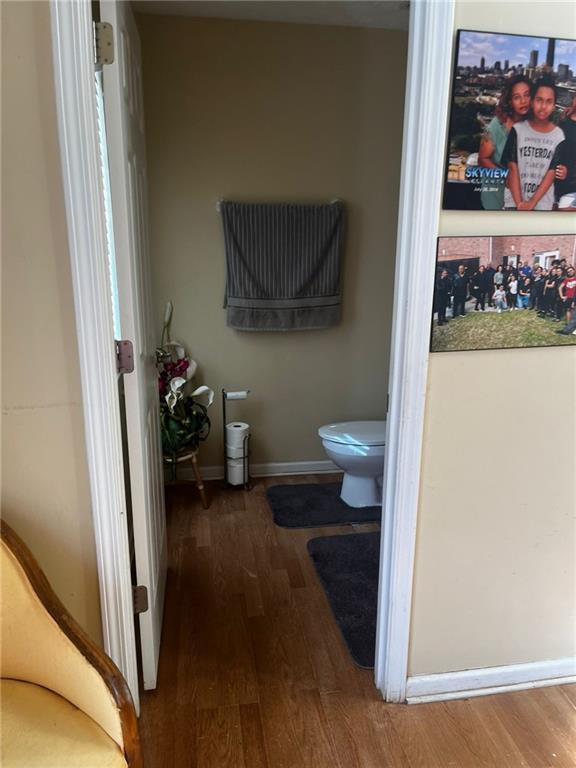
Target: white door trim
{"x":425,"y":122}
{"x":77,"y":124}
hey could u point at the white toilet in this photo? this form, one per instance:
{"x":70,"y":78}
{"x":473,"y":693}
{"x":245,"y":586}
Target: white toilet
{"x":357,"y":447}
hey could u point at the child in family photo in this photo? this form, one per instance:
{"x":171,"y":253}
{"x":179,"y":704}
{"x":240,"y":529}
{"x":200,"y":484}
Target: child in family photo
{"x":531,"y":153}
{"x":499,"y":298}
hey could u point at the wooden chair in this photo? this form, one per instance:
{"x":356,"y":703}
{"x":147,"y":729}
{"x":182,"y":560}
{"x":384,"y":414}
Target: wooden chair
{"x":192,"y":456}
{"x":64,"y":702}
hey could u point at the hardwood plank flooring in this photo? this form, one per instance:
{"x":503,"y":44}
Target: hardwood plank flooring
{"x":254,"y":672}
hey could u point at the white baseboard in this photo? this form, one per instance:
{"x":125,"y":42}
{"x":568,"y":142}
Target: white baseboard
{"x":489,"y":680}
{"x":265,"y":470}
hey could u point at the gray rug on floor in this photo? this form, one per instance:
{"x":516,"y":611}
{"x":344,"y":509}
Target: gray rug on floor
{"x":312,"y":505}
{"x":348,"y":569}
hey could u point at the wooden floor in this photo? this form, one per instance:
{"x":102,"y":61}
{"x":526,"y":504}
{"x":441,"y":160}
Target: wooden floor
{"x":254,"y":673}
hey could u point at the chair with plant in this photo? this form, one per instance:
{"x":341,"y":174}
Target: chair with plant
{"x":184,"y":420}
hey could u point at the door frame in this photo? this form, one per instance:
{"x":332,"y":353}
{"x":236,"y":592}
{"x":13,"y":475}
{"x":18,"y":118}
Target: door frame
{"x":430,"y":45}
{"x":75,"y":93}
{"x":426,"y":105}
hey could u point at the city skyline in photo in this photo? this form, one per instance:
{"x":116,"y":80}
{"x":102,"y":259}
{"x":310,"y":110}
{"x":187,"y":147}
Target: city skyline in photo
{"x":516,"y":49}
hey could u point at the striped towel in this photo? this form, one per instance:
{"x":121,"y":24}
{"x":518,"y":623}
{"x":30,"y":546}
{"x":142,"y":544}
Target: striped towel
{"x":283,"y":265}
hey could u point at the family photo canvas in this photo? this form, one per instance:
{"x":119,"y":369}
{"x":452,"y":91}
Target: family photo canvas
{"x":512,"y":134}
{"x":504,"y":291}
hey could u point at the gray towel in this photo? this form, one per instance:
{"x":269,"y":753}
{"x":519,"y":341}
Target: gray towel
{"x":283,"y":265}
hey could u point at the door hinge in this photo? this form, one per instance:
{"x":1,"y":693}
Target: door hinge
{"x":124,"y":356}
{"x":140,"y":599}
{"x":103,"y":43}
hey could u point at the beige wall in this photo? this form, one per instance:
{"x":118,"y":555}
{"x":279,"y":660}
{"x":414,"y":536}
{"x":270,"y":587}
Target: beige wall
{"x":45,"y":494}
{"x":496,"y":562}
{"x":274,"y":112}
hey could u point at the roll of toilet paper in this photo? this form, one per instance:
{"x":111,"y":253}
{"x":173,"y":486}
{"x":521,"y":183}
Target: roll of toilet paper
{"x":235,"y":472}
{"x":240,"y":395}
{"x":234,"y":453}
{"x":236,"y":431}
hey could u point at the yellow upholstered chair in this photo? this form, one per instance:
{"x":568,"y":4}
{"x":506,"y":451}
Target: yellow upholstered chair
{"x":64,"y":704}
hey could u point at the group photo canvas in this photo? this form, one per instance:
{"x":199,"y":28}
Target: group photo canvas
{"x":498,"y":292}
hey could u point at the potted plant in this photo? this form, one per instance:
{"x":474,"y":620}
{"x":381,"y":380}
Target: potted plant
{"x":184,"y":421}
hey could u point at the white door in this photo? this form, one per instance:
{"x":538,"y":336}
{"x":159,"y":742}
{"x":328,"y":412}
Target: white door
{"x":127,"y":163}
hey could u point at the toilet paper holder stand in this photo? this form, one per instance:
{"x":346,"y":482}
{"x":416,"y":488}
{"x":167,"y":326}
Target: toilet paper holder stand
{"x":245,"y":443}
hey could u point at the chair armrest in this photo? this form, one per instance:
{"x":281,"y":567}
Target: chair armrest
{"x":43,"y":644}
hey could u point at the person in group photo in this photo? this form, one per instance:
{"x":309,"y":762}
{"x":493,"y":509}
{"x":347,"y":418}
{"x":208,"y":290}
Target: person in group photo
{"x":524,"y":269}
{"x":536,"y":288}
{"x":509,"y":271}
{"x":489,"y":281}
{"x":523,"y":300}
{"x":499,"y":277}
{"x":513,"y":106}
{"x":460,"y":286}
{"x":565,"y":175}
{"x":500,"y":298}
{"x":549,"y":293}
{"x":531,"y":153}
{"x":567,"y":293}
{"x":559,"y":308}
{"x":479,"y":287}
{"x":512,"y":290}
{"x":442,"y":295}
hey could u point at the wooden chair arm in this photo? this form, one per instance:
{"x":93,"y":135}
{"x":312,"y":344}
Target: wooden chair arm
{"x":90,"y":668}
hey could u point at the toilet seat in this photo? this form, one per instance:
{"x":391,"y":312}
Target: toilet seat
{"x":355,"y":433}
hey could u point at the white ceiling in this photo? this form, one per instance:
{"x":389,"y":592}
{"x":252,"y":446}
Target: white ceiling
{"x":382,"y":14}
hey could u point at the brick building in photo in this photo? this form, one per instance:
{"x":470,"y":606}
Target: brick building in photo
{"x":509,"y":249}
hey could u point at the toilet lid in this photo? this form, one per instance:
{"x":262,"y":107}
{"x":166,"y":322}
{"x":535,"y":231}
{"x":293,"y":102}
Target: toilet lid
{"x":355,"y":432}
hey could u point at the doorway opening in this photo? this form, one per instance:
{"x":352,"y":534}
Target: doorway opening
{"x":276,"y":111}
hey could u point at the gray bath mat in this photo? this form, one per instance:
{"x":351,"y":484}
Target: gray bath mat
{"x":312,"y":505}
{"x":348,"y":569}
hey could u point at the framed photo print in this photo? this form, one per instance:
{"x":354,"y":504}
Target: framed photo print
{"x":512,"y":133}
{"x":499,"y":292}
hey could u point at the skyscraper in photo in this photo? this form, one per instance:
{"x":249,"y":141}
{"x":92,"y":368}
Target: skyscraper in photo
{"x":550,"y":53}
{"x":533,"y":59}
{"x":482,"y":63}
{"x":506,"y":65}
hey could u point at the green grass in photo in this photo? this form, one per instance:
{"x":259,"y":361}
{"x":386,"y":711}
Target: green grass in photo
{"x":490,"y":330}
